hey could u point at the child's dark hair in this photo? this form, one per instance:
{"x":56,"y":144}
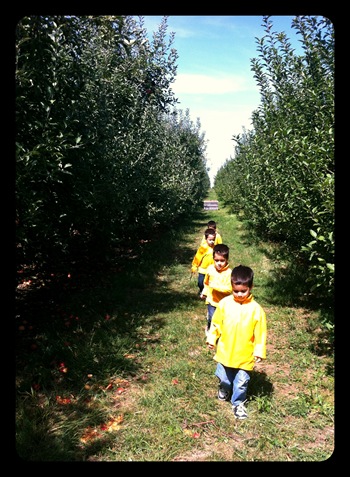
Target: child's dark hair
{"x":211,"y":224}
{"x":221,"y":249}
{"x":242,"y":275}
{"x":209,"y":232}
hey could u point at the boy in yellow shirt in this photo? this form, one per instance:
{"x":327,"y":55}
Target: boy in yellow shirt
{"x":217,"y":280}
{"x":212,"y":225}
{"x":238,"y":332}
{"x":203,"y":257}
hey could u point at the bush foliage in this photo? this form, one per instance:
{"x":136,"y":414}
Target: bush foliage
{"x":281,"y":177}
{"x":102,"y":152}
{"x":104,"y":157}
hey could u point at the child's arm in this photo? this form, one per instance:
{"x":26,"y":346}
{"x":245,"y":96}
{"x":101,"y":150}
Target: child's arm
{"x":197,"y":260}
{"x":205,"y":290}
{"x":214,"y":332}
{"x":260,"y":337}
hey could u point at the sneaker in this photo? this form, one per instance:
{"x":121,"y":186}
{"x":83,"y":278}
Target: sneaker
{"x":223,"y":395}
{"x":240,"y":411}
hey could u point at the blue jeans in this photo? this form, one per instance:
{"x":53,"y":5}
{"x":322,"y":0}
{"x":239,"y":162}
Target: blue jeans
{"x":210,"y":314}
{"x":201,"y":282}
{"x":233,"y":380}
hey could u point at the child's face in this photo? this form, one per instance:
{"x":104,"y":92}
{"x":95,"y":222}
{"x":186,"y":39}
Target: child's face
{"x":219,"y":261}
{"x":210,"y":240}
{"x":240,"y":292}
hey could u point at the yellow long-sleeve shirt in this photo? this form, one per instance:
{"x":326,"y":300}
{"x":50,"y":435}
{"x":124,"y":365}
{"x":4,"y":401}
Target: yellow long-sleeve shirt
{"x":217,"y":284}
{"x":202,"y":259}
{"x":239,"y":333}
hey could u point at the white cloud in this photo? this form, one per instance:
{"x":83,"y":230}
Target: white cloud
{"x":219,"y":128}
{"x":205,"y":84}
{"x":224,"y":110}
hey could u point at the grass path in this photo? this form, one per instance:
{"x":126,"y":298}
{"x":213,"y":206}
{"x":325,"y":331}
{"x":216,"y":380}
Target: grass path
{"x":143,"y":381}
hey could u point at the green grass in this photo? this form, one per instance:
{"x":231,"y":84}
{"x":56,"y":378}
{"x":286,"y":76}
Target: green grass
{"x":139,"y":381}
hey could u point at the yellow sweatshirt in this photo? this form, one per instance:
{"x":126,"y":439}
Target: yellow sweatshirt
{"x":202,"y":259}
{"x":239,"y":332}
{"x":217,"y":284}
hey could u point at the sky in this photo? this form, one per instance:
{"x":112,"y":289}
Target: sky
{"x":214,"y":79}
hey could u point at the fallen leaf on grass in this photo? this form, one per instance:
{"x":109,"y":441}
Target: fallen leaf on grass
{"x":121,"y":381}
{"x":61,"y":400}
{"x":113,"y":424}
{"x":189,"y":433}
{"x":92,"y":433}
{"x":120,"y":390}
{"x":89,"y":434}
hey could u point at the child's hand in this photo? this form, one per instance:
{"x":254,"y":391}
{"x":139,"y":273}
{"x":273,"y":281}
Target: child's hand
{"x":257,"y":359}
{"x":202,"y":297}
{"x":210,"y":346}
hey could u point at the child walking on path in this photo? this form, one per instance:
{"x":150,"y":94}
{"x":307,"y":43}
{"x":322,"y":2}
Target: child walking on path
{"x":238,"y":332}
{"x":203,"y":257}
{"x":212,"y":225}
{"x":217,"y":280}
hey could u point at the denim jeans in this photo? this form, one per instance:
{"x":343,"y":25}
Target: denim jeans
{"x":233,"y":380}
{"x":201,"y":282}
{"x":210,"y":314}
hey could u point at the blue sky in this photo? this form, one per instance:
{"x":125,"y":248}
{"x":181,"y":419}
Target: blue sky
{"x":214,"y":80}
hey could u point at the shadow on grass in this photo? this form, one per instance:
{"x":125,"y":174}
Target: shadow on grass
{"x":76,"y":335}
{"x":260,"y":385}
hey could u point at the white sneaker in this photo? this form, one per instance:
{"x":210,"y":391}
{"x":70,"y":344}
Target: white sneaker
{"x":240,"y":411}
{"x":223,"y":395}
